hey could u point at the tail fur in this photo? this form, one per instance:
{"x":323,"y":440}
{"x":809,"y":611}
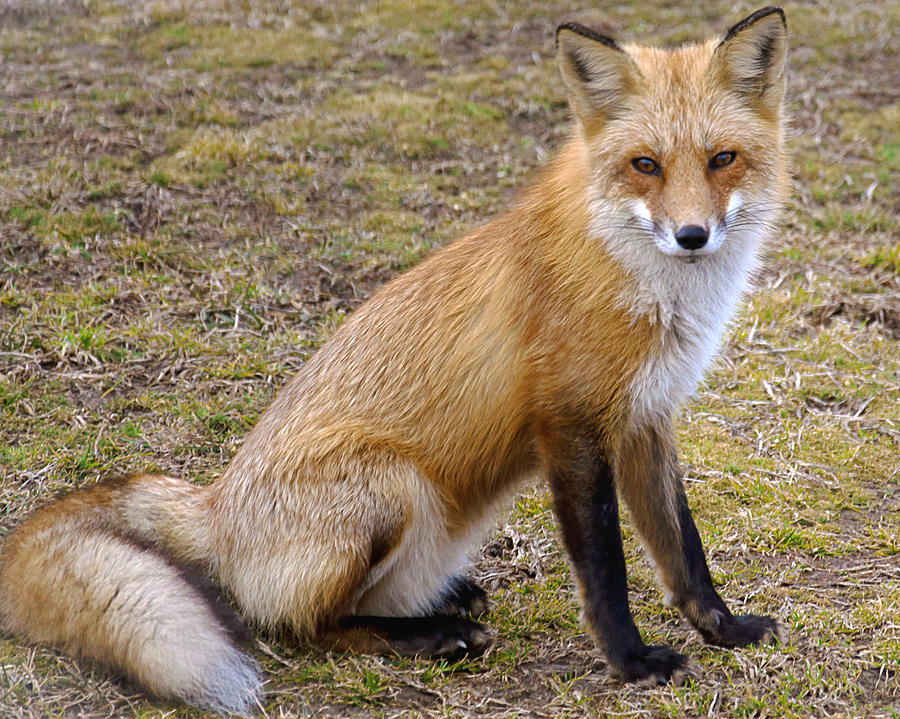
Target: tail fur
{"x":108,"y":574}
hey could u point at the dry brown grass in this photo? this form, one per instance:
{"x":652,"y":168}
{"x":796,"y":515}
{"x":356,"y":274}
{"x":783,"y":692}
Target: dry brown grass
{"x":192,"y":197}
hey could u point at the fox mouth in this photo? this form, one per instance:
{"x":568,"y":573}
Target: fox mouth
{"x":667,"y":243}
{"x":670,"y":249}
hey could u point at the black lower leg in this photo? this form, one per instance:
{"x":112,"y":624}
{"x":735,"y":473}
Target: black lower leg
{"x":650,"y":480}
{"x":704,"y":607}
{"x":586,"y":505}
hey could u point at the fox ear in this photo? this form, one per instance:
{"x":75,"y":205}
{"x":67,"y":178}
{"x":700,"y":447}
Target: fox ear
{"x":751,"y":58}
{"x":597,"y":73}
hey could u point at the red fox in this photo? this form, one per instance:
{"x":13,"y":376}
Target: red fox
{"x":557,"y":341}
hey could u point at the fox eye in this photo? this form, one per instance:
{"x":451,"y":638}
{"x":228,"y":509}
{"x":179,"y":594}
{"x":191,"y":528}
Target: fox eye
{"x":723,"y":159}
{"x":646,"y":165}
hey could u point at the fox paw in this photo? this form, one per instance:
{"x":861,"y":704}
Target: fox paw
{"x":463,"y":596}
{"x":458,"y":639}
{"x":437,"y":636}
{"x":746,"y":629}
{"x":653,"y":665}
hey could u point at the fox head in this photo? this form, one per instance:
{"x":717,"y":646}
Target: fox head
{"x":684,"y":146}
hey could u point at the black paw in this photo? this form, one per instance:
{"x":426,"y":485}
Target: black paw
{"x":653,"y":665}
{"x":451,"y":638}
{"x":462,"y":596}
{"x":437,"y":636}
{"x":744,"y":630}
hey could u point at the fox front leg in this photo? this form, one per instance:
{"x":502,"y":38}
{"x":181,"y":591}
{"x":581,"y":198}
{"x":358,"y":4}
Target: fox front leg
{"x":584,"y":498}
{"x":649,"y":480}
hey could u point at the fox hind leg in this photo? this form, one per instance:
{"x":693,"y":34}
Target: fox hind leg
{"x":410,"y":595}
{"x":443,"y":633}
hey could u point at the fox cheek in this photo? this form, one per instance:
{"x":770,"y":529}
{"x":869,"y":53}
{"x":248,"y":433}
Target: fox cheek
{"x":642,"y":212}
{"x":734,"y":204}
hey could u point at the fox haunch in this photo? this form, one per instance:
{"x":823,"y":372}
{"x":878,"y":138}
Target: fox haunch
{"x":557,"y":341}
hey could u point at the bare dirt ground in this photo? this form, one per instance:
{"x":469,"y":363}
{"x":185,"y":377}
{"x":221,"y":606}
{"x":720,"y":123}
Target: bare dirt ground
{"x":194,"y":195}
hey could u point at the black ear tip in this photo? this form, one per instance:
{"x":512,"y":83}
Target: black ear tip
{"x":755,"y":18}
{"x":773,"y":10}
{"x":587,"y":32}
{"x":770,"y":10}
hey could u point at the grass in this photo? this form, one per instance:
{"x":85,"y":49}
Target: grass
{"x":194,"y":196}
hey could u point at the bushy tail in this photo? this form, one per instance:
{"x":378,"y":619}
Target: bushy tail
{"x":107,"y":574}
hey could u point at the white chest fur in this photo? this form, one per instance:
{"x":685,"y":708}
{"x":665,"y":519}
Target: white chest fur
{"x":691,"y":302}
{"x":693,"y":316}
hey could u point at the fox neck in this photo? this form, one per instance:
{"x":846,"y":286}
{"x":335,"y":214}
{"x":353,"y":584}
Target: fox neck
{"x":691,"y":306}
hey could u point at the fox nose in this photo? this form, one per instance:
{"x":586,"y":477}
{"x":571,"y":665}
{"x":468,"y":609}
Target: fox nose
{"x":692,"y":237}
